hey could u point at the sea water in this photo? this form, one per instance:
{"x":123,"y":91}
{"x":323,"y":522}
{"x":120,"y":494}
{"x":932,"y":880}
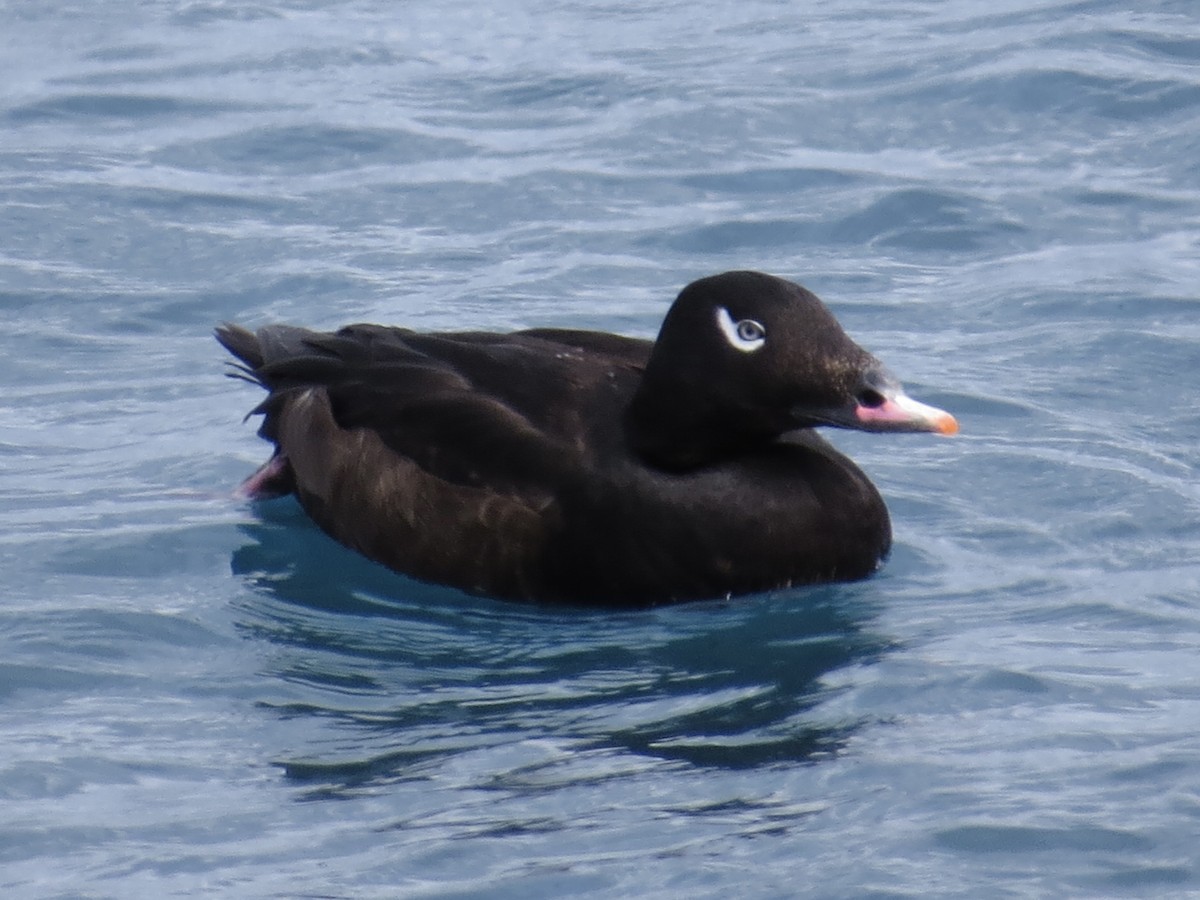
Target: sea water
{"x":1001,"y":200}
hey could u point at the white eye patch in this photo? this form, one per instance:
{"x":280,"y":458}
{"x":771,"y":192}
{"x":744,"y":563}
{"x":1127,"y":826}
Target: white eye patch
{"x":745,"y":334}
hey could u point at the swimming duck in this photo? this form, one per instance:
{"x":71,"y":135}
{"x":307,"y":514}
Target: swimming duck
{"x":584,"y":467}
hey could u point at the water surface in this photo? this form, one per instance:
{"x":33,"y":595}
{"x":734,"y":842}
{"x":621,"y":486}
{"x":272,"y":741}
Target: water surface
{"x":1000,"y":200}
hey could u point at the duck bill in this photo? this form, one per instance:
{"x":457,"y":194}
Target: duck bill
{"x":877,"y":402}
{"x":900,"y":412}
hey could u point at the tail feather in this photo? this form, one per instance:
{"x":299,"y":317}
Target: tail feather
{"x":245,"y":346}
{"x":242,"y":343}
{"x":282,"y":359}
{"x":279,"y":357}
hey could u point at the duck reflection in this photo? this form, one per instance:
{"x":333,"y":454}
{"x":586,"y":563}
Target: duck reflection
{"x":407,"y":674}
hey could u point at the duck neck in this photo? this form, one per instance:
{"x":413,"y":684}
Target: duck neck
{"x":684,"y":436}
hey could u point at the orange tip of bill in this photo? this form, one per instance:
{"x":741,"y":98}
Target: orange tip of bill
{"x":946,"y":424}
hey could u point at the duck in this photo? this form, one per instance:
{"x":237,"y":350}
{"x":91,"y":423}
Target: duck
{"x":582,"y":467}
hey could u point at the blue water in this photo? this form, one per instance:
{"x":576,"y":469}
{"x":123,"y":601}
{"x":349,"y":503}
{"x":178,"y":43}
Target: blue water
{"x":1000,"y":199}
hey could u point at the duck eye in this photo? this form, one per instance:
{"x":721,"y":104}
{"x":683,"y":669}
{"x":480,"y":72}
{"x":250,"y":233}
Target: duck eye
{"x":746,"y":335}
{"x":749,"y":330}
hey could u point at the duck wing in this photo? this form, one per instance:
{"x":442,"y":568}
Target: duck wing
{"x":600,"y":346}
{"x":504,"y":411}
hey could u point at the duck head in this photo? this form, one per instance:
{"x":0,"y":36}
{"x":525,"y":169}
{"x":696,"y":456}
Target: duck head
{"x":743,"y":358}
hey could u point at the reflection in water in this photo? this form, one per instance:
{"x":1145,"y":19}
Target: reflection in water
{"x":407,"y":675}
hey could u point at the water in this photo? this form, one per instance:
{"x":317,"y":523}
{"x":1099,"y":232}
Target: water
{"x":1000,"y":199}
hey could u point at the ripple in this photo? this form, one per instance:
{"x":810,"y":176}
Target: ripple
{"x":923,"y":219}
{"x":1025,"y":839}
{"x":310,"y":149}
{"x":117,"y":106}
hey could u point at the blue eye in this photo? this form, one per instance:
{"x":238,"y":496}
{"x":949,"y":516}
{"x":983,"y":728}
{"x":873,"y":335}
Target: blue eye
{"x":745,"y":335}
{"x":749,"y":330}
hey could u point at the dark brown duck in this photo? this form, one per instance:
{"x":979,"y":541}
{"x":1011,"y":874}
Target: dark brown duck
{"x":583,"y":467}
